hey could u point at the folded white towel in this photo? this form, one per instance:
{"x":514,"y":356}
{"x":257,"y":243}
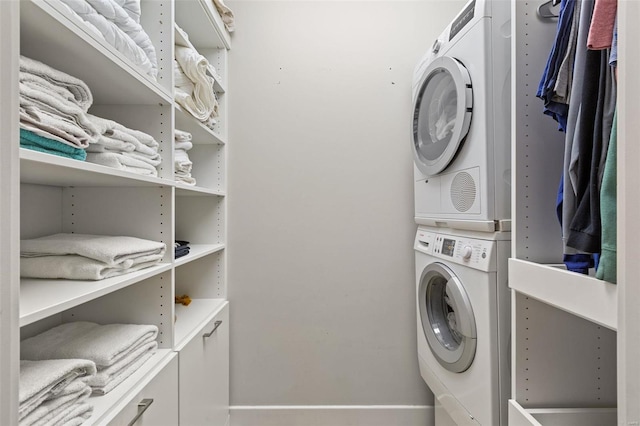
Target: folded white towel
{"x":108,"y":378}
{"x":187,"y":180}
{"x":41,"y":380}
{"x":122,"y":162}
{"x":185,"y":146}
{"x":53,"y":127}
{"x":72,"y":267}
{"x":75,"y":86}
{"x":111,"y":250}
{"x":102,"y":344}
{"x":142,"y":140}
{"x":182,"y":136}
{"x":63,"y":407}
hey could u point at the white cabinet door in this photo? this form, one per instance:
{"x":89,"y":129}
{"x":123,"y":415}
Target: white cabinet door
{"x":204,"y":374}
{"x":156,"y":404}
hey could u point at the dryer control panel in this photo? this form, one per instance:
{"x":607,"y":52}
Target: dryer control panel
{"x":472,"y":252}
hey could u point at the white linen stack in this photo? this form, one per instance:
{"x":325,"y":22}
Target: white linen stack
{"x":117,"y":350}
{"x":54,"y":105}
{"x":54,"y":392}
{"x":182,"y":162}
{"x":87,"y":257}
{"x":118,"y":22}
{"x":194,"y":82}
{"x":123,"y":148}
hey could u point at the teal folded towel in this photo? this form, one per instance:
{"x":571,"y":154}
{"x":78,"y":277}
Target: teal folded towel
{"x":36,"y":142}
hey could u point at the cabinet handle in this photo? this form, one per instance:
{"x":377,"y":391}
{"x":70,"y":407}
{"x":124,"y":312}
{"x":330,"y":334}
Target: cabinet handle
{"x":142,"y":407}
{"x":215,"y":327}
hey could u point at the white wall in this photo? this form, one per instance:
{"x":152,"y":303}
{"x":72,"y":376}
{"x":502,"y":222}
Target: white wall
{"x":321,"y":265}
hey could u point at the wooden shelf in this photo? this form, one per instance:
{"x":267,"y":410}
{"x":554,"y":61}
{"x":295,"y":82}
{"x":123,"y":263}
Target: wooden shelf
{"x":201,"y":20}
{"x":587,"y":297}
{"x":40,"y":298}
{"x":53,"y":35}
{"x":190,"y":319}
{"x":197,"y":251}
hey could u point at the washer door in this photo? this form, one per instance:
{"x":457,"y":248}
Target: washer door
{"x":442,"y":114}
{"x":447,"y":318}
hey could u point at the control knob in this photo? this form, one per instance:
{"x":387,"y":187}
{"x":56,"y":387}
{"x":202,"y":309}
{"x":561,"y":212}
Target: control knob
{"x":467,"y":251}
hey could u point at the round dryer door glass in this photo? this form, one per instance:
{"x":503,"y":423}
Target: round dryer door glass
{"x":442,"y":114}
{"x":447,"y":318}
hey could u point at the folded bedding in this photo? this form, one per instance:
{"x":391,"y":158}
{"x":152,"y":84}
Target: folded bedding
{"x":35,"y":142}
{"x":132,"y":7}
{"x":122,"y":162}
{"x":71,"y":267}
{"x":110,"y":377}
{"x":193,"y":85}
{"x":105,"y":345}
{"x":115,"y":13}
{"x":54,"y":126}
{"x":113,"y":35}
{"x":80,"y":93}
{"x":182,"y":136}
{"x":45,"y":379}
{"x":112,"y":250}
{"x":70,"y":403}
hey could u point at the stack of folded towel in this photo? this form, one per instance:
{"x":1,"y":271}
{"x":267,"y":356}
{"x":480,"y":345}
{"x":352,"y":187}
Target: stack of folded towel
{"x":118,"y":22}
{"x":117,"y":350}
{"x":54,"y":392}
{"x":53,"y":111}
{"x":194,"y":82}
{"x":182,"y":163}
{"x":181,"y":248}
{"x":122,"y":148}
{"x":87,"y":257}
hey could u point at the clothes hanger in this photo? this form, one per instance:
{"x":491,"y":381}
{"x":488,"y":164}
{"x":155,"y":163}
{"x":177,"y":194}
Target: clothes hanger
{"x":544,"y":10}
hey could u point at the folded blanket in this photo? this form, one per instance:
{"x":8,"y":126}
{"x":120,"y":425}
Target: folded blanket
{"x":115,"y":13}
{"x":78,"y":89}
{"x":72,"y":267}
{"x":56,"y":108}
{"x":63,"y":407}
{"x":42,"y":380}
{"x":108,"y":378}
{"x":199,"y":98}
{"x":113,"y":129}
{"x":35,"y":142}
{"x":122,"y":162}
{"x":226,"y":14}
{"x":112,"y":35}
{"x":103,"y":344}
{"x":132,"y":7}
{"x":54,"y":126}
{"x":111,"y":250}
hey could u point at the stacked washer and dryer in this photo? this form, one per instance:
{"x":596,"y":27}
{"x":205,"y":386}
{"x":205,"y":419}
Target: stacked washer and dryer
{"x":461,"y":140}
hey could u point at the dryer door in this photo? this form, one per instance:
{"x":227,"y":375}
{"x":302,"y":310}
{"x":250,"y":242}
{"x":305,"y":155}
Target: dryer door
{"x":441,"y":115}
{"x":447,"y":317}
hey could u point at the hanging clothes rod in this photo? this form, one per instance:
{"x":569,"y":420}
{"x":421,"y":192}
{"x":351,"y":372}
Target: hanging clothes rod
{"x":544,"y":10}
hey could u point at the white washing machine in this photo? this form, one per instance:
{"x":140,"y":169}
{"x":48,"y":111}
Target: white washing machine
{"x":461,"y":131}
{"x":463,"y":315}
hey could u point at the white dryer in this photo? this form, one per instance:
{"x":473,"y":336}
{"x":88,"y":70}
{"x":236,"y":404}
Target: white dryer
{"x":461,"y":122}
{"x":463,"y":316}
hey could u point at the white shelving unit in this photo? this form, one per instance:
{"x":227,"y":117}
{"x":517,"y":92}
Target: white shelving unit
{"x":44,"y":194}
{"x":566,"y":327}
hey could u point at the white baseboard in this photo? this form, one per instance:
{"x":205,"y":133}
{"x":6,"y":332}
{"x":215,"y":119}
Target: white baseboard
{"x":332,"y":415}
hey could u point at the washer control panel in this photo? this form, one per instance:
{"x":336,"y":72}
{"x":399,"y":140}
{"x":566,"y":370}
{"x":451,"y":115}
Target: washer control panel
{"x":472,"y":252}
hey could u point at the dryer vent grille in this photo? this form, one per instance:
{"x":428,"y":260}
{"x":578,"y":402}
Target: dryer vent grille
{"x":463,"y":191}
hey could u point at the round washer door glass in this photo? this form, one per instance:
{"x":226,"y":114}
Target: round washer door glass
{"x":447,"y":318}
{"x":442,"y":114}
